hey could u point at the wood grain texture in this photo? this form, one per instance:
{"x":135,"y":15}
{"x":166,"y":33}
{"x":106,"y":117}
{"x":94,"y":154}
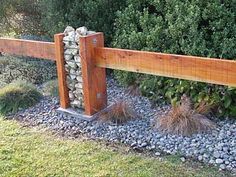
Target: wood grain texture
{"x":215,"y":71}
{"x":37,"y":49}
{"x":61,"y":73}
{"x":94,"y":78}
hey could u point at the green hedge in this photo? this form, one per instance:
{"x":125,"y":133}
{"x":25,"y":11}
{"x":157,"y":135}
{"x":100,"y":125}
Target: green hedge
{"x":20,"y":16}
{"x":97,"y":15}
{"x":201,"y":28}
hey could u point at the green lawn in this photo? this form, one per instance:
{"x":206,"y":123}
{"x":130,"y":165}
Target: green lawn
{"x":33,"y":152}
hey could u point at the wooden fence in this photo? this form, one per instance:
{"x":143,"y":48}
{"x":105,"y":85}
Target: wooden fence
{"x":43,"y":50}
{"x":96,"y":58}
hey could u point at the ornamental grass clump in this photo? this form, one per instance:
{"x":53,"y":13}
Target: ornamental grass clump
{"x":134,"y":90}
{"x":118,"y":113}
{"x":18,"y":95}
{"x":183,"y":119}
{"x":50,"y":88}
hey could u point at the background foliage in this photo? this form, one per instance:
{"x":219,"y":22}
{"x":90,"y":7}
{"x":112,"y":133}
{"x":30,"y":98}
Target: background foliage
{"x":20,"y":16}
{"x":97,"y":15}
{"x":202,"y":28}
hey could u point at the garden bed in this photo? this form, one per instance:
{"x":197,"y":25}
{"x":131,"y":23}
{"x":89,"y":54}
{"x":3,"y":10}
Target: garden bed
{"x":216,"y":148}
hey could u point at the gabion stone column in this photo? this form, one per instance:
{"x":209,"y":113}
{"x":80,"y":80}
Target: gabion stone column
{"x":73,"y":65}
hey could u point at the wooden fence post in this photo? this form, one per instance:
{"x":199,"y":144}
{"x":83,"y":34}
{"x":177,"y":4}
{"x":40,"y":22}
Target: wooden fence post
{"x":94,"y":78}
{"x":63,"y":89}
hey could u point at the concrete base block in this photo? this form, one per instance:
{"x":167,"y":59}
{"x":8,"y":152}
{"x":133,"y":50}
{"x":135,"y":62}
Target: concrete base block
{"x":76,"y":113}
{"x":80,"y":113}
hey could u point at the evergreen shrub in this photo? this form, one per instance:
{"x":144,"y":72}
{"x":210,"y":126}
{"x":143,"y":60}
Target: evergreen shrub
{"x":200,"y":28}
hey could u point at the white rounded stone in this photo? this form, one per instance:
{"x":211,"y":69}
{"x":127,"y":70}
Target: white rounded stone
{"x":82,"y":31}
{"x":68,"y":29}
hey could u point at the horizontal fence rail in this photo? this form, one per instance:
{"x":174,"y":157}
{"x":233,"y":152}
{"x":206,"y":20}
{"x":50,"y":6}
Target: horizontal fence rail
{"x":215,"y":71}
{"x":37,"y":49}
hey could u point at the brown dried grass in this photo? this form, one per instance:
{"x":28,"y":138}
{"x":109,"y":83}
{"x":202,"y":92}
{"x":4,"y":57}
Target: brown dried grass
{"x":120,"y":112}
{"x":183,"y":120}
{"x":134,"y":90}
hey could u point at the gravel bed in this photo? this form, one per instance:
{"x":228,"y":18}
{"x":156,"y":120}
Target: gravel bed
{"x":217,"y":148}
